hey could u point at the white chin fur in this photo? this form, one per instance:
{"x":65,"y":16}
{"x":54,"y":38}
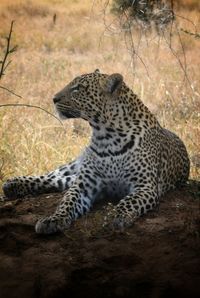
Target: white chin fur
{"x":59,"y":114}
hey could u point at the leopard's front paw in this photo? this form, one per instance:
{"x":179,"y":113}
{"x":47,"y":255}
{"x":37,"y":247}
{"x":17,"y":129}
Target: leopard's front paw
{"x":14,"y":189}
{"x":51,"y":225}
{"x":118,"y":218}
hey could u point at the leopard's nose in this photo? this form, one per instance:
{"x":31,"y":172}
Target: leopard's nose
{"x":56,"y":99}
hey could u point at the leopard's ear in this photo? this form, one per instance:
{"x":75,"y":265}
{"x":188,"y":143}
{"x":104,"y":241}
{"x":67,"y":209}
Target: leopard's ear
{"x":97,"y":71}
{"x":113,"y":84}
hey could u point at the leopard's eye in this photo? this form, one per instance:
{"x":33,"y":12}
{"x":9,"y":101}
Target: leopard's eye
{"x":74,"y":89}
{"x":77,"y":88}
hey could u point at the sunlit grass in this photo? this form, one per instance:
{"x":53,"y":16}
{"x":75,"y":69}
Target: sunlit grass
{"x":51,"y":53}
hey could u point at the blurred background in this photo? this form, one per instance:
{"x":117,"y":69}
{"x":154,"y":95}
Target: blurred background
{"x":158,"y":53}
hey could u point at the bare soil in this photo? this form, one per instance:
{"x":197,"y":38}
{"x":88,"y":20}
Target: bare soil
{"x":158,"y":257}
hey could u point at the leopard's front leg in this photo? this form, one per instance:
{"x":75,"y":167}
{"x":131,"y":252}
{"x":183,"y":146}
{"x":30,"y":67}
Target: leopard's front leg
{"x":55,"y":181}
{"x":131,"y":207}
{"x":76,"y":202}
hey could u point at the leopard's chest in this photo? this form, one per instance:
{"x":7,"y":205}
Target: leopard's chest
{"x":115,"y":172}
{"x":113,"y":167}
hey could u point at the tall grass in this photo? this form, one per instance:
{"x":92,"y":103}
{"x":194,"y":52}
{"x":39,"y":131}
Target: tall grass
{"x":50,"y":53}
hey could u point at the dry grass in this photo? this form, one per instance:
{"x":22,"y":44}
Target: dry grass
{"x":50,"y":55}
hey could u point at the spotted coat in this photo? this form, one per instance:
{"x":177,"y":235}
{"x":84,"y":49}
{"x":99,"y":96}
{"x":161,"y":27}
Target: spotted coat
{"x":130,"y":156}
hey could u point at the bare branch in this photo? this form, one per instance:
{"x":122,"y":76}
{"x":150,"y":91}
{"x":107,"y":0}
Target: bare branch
{"x":196,"y":34}
{"x":4,"y":64}
{"x":183,"y":65}
{"x":8,"y":51}
{"x":188,"y":20}
{"x":10,"y":91}
{"x":30,"y":106}
{"x":121,"y":25}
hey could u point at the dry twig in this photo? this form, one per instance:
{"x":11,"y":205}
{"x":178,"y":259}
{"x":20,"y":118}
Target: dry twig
{"x":4,"y":63}
{"x":10,"y":91}
{"x":30,"y":106}
{"x":194,"y":34}
{"x":146,"y":17}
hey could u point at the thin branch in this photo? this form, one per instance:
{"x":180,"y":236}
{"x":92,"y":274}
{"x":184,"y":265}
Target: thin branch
{"x":110,"y":27}
{"x":133,"y":51}
{"x":30,"y":106}
{"x":10,"y":91}
{"x":196,"y":34}
{"x":188,"y":20}
{"x":4,"y":64}
{"x":183,"y":65}
{"x":8,"y":51}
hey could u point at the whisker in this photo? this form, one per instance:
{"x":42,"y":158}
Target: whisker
{"x":66,"y":108}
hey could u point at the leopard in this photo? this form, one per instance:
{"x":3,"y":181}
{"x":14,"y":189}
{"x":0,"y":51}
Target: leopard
{"x":130,"y":157}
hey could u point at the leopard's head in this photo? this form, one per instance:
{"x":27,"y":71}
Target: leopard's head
{"x":92,"y":97}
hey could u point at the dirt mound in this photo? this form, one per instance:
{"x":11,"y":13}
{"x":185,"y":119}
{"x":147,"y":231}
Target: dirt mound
{"x":158,"y":257}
